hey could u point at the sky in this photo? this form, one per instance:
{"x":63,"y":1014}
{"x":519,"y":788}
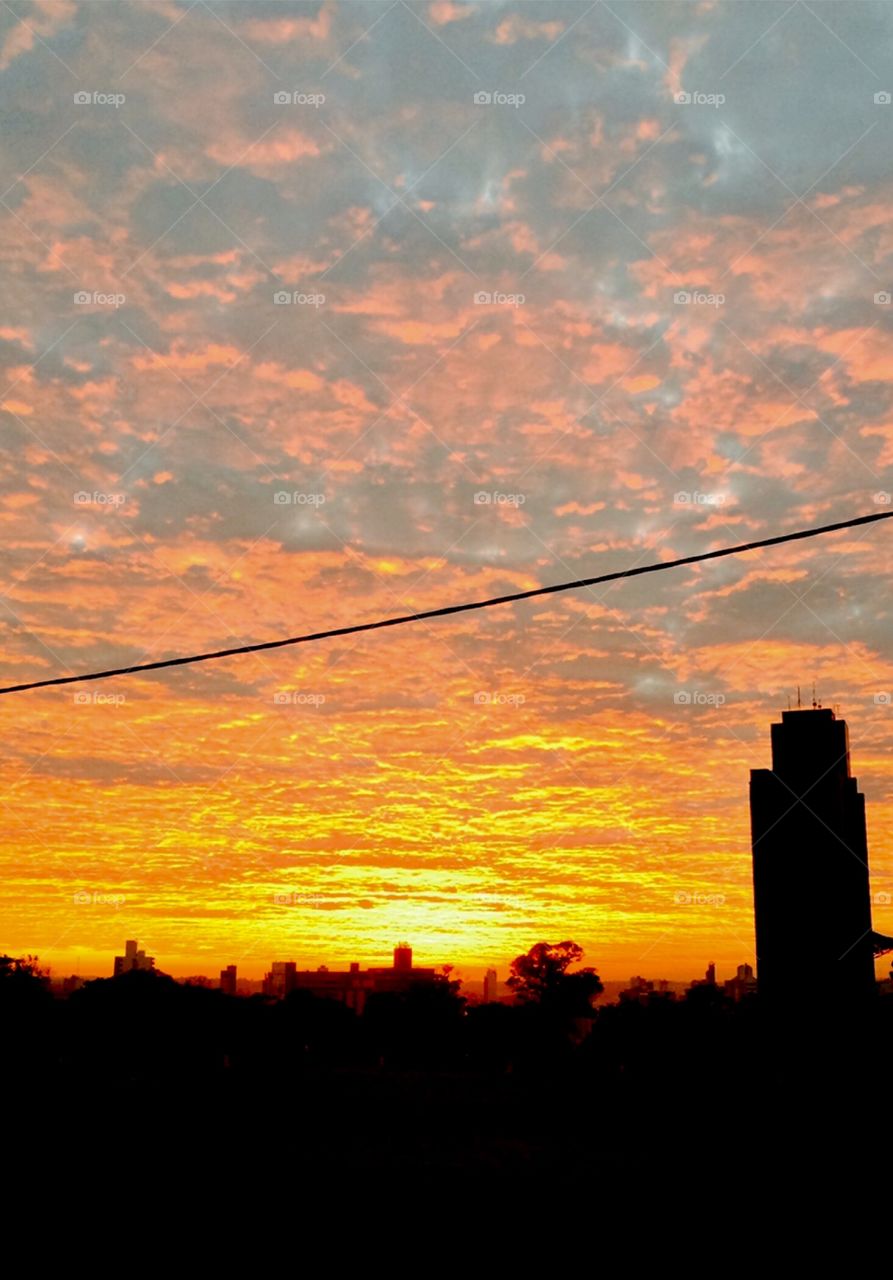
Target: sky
{"x":315,"y":313}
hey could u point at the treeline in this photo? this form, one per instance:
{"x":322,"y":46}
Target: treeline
{"x":144,"y":1027}
{"x":427,"y":1081}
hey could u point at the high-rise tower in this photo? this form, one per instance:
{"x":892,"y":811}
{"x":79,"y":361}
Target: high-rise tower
{"x":812,"y":900}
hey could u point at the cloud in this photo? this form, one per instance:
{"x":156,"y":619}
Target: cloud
{"x":443,"y":12}
{"x":519,"y":27}
{"x":526,"y":342}
{"x":45,"y":19}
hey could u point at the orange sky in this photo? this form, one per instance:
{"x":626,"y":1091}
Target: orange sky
{"x":522,"y":342}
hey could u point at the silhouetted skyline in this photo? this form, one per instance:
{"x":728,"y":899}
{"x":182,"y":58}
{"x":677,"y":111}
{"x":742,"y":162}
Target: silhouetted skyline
{"x":477,"y":299}
{"x":810,"y":878}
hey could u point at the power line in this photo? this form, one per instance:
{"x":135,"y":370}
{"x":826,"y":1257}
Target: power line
{"x":446,"y":610}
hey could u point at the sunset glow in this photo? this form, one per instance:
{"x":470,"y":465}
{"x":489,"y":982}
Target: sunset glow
{"x":399,"y":340}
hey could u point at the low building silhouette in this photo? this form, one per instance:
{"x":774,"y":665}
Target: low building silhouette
{"x":742,"y":985}
{"x":637,"y":992}
{"x":280,"y":981}
{"x":644,"y":991}
{"x":132,"y":959}
{"x":351,"y":986}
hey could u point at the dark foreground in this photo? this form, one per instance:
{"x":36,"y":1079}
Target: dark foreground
{"x":142,"y":1069}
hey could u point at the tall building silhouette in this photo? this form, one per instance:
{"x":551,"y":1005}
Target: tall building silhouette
{"x":812,"y":900}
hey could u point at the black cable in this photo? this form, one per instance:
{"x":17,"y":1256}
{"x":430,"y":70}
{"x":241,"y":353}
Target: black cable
{"x":449,"y":609}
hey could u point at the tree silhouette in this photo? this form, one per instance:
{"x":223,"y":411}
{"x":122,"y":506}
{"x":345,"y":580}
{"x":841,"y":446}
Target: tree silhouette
{"x":541,"y":977}
{"x":22,"y":970}
{"x":27,"y":1019}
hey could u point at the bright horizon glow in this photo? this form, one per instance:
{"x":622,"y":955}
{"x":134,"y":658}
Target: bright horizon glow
{"x":684,"y":341}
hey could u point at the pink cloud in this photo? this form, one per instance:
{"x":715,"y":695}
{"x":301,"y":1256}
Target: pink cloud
{"x":280,"y":148}
{"x":442,"y":12}
{"x":298,"y":379}
{"x":517,"y":27}
{"x":45,"y":18}
{"x":285,"y":30}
